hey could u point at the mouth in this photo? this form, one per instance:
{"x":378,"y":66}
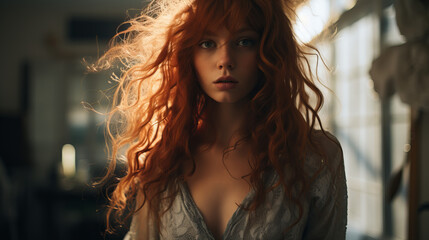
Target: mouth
{"x":226,"y":79}
{"x":225,"y":83}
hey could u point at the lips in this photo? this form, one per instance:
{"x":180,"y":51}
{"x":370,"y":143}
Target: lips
{"x":226,"y":79}
{"x":225,"y":83}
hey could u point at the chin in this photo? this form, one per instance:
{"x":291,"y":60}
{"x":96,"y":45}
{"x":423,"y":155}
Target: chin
{"x":229,"y":99}
{"x":224,"y":100}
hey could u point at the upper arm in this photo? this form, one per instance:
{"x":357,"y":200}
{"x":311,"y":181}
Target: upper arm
{"x":142,"y":228}
{"x":327,"y":217}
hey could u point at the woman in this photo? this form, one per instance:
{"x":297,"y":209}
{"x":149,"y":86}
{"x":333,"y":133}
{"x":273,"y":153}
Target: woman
{"x":218,"y":128}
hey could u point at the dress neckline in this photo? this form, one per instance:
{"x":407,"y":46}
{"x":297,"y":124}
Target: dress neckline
{"x":193,"y":209}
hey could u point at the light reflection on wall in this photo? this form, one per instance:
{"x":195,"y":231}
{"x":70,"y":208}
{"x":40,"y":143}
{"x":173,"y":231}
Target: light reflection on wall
{"x":69,"y":160}
{"x":314,"y":17}
{"x":311,"y":19}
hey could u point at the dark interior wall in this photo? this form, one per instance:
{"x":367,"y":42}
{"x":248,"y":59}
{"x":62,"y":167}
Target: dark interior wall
{"x":26,"y":25}
{"x":36,"y":44}
{"x":46,"y":31}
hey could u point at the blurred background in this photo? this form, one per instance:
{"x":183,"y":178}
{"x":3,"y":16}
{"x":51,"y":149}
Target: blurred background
{"x":53,"y":148}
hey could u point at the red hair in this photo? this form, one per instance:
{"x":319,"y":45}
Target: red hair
{"x":160,"y":107}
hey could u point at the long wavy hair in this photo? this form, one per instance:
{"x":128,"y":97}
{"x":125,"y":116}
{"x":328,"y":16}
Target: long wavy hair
{"x":158,"y":107}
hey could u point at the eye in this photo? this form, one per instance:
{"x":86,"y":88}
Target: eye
{"x":245,"y":42}
{"x":207,"y":44}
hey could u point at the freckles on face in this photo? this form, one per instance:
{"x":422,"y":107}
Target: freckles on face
{"x":226,"y":63}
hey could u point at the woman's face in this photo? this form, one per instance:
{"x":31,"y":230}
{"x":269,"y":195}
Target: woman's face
{"x":226,"y":63}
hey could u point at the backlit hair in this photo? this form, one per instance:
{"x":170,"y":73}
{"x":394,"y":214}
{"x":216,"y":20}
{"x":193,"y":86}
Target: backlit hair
{"x":159,"y":107}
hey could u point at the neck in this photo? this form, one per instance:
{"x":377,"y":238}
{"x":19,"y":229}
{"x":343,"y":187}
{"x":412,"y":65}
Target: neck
{"x":228,"y":120}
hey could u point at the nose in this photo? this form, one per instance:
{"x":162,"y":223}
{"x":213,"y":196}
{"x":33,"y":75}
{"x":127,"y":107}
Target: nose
{"x":225,"y":58}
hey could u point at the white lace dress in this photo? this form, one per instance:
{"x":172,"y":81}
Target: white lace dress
{"x":324,"y":211}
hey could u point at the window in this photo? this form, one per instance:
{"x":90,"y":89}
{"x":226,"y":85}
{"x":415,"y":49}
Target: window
{"x":373,"y":134}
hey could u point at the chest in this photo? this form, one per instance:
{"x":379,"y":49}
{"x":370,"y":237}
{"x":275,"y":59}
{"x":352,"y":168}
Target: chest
{"x":218,"y":187}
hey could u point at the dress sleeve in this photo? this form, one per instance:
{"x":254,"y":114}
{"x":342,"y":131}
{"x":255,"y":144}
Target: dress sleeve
{"x":327,"y":217}
{"x":142,"y":228}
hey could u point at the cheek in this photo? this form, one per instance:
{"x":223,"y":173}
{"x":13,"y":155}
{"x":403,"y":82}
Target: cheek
{"x":199,"y":65}
{"x":196,"y":64}
{"x":251,"y":63}
{"x":200,"y":72}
